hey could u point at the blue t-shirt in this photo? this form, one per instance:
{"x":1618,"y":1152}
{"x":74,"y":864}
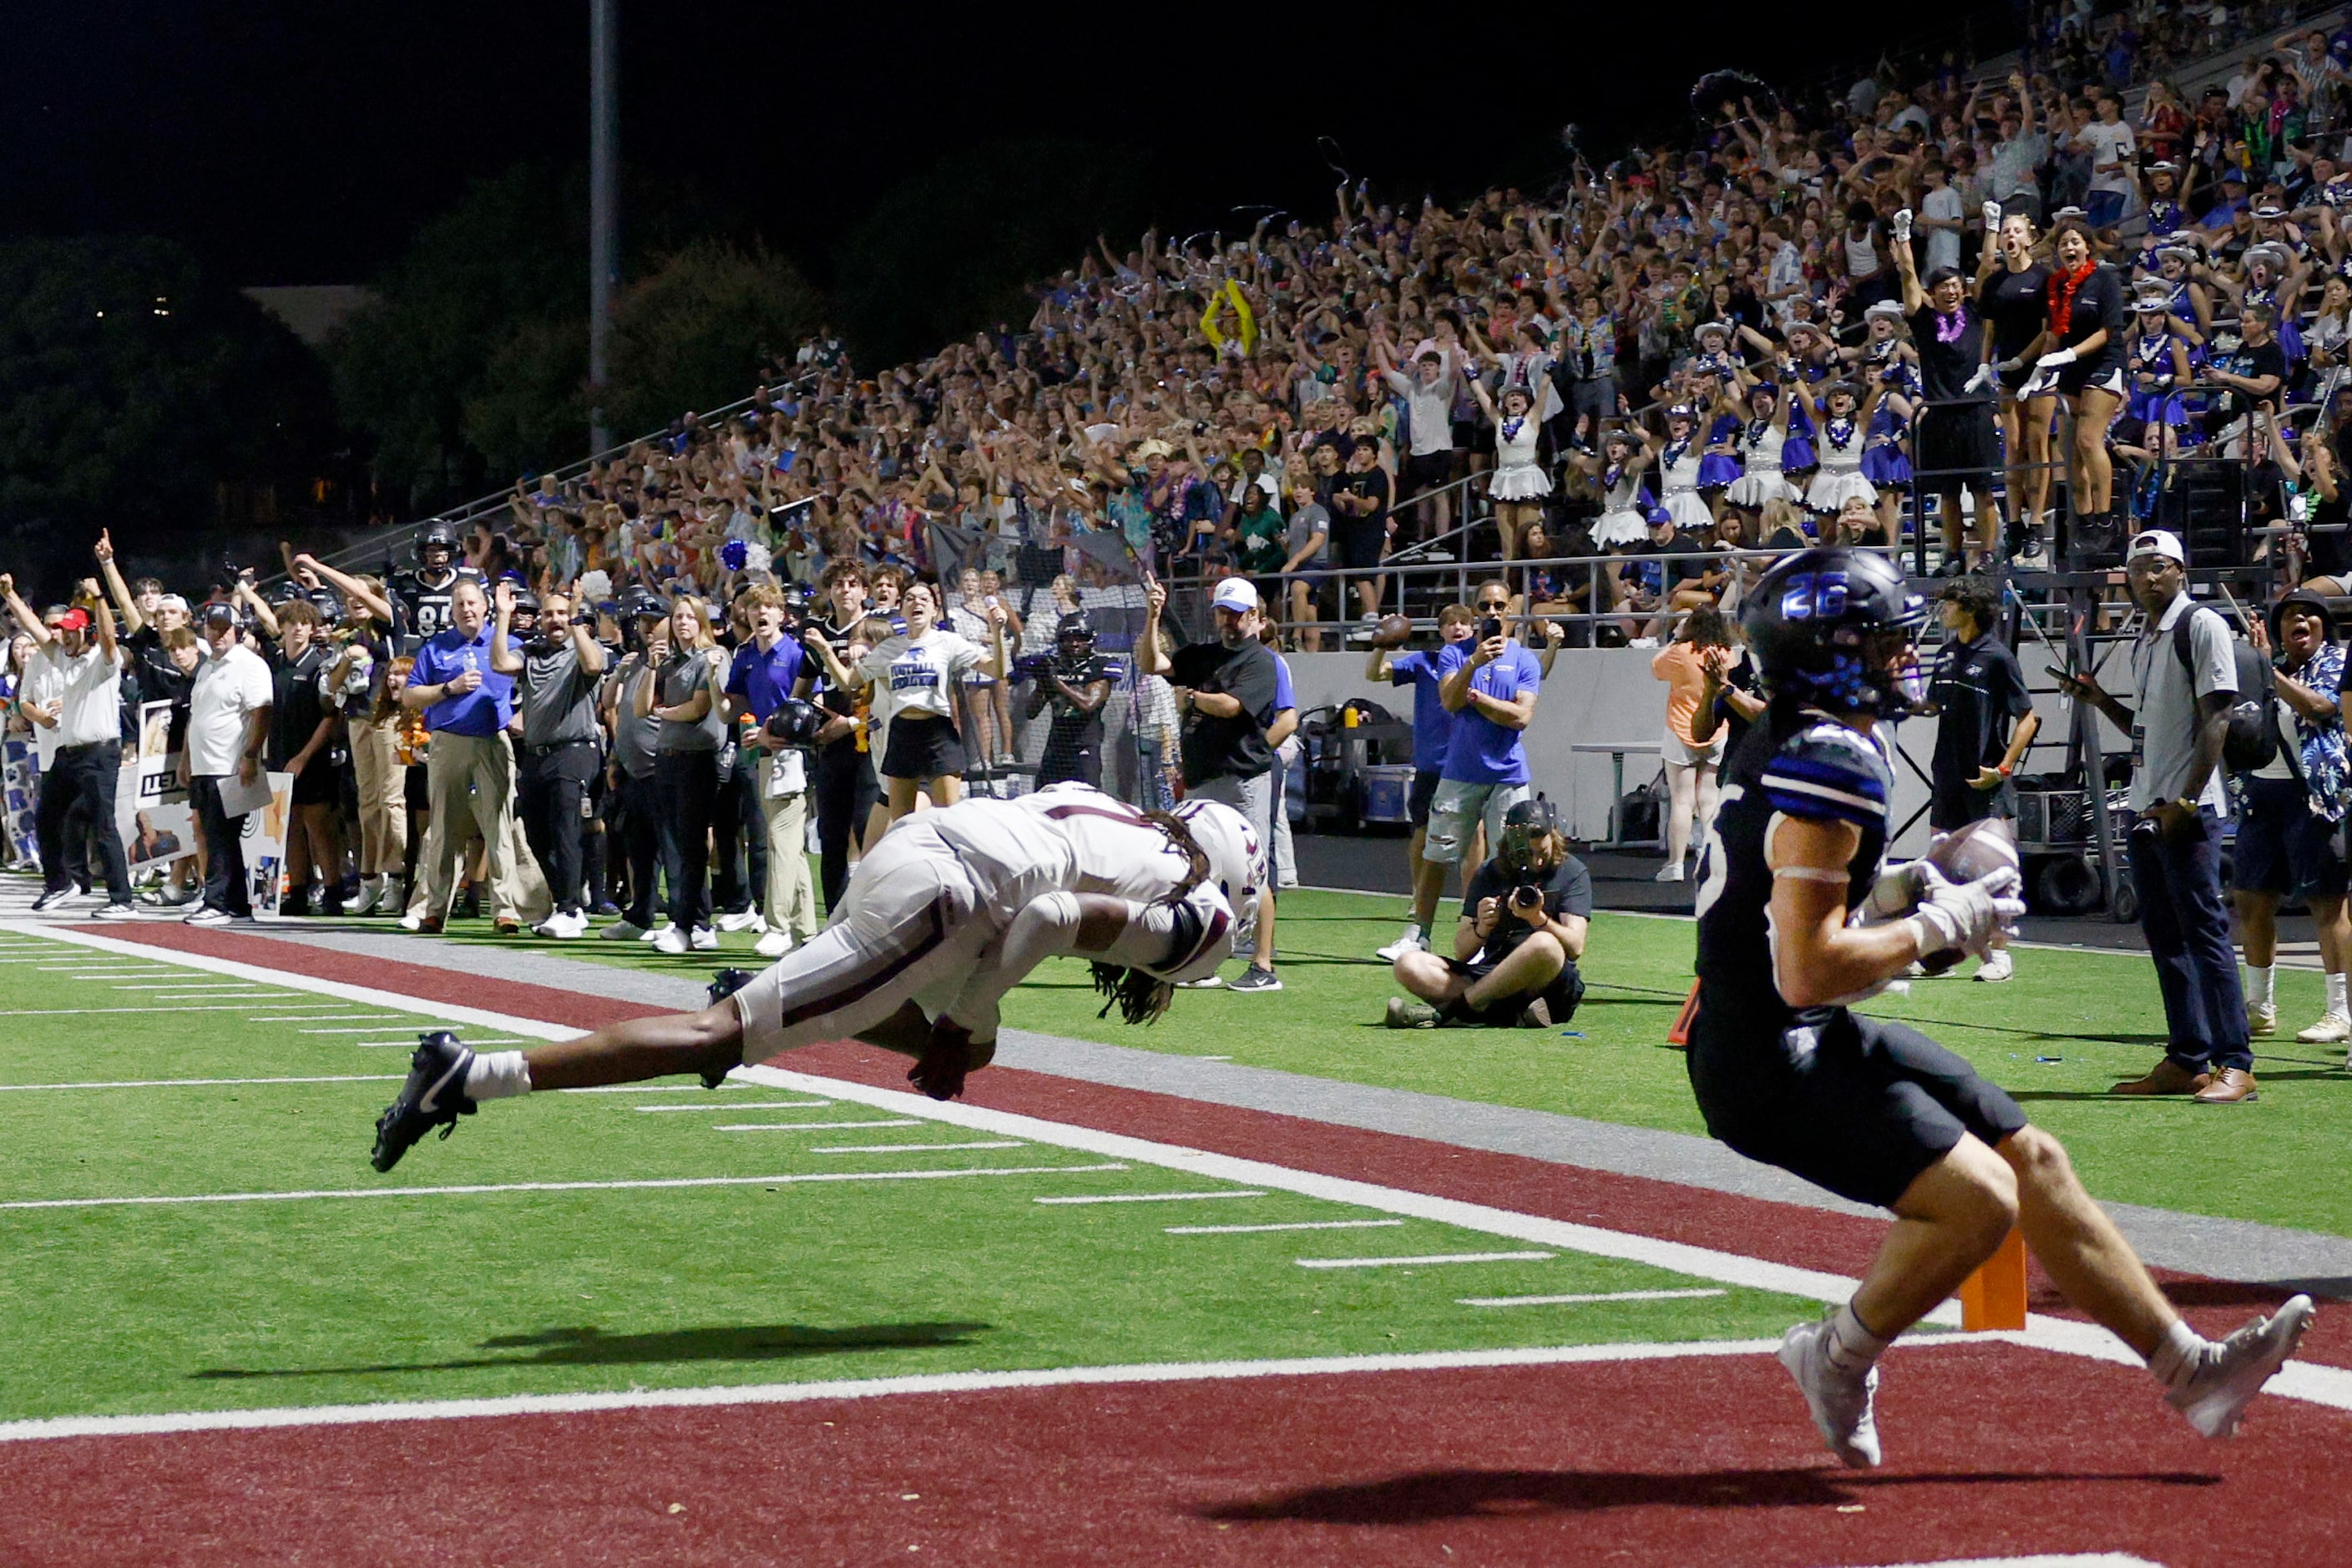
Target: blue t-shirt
{"x":483,"y":711}
{"x":1285,"y":696}
{"x":1481,"y":751}
{"x":1432,"y":726}
{"x":765,"y":680}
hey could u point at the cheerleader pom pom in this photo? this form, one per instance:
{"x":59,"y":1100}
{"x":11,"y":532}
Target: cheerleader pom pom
{"x":731,"y":555}
{"x":757,"y":557}
{"x":595,"y":587}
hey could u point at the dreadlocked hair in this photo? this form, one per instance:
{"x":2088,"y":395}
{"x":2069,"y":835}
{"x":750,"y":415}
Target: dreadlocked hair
{"x":1139,"y":995}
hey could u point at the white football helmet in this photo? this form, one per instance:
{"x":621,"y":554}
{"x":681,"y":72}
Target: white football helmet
{"x":1236,"y":858}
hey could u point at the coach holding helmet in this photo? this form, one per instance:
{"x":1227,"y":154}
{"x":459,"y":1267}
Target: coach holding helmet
{"x":72,"y":698}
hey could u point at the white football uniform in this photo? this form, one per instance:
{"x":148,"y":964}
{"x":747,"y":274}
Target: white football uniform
{"x":925,"y":913}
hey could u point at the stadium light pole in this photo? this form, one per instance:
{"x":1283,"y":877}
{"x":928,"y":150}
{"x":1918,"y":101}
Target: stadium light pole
{"x":604,"y":204}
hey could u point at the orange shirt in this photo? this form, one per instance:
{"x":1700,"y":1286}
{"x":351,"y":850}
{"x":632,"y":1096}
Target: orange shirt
{"x":1679,"y":665}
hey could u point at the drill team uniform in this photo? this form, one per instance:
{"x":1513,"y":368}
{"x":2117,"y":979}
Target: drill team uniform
{"x":1856,"y":1105}
{"x":925,"y":914}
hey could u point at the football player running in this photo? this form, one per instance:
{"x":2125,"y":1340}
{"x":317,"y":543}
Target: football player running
{"x":1875,"y":1111}
{"x":940,"y":919}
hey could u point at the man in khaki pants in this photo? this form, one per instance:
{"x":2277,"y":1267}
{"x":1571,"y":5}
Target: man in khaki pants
{"x":767,"y":671}
{"x":469,"y":771}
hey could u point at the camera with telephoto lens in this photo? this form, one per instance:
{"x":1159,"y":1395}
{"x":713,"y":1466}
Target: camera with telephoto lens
{"x":1525,"y":894}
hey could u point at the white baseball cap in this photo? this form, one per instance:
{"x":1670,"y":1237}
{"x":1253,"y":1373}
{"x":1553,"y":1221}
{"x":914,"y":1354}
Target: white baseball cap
{"x":2157,"y":542}
{"x":1235,"y":594}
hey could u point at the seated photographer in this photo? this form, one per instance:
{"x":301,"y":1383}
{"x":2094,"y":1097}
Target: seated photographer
{"x":1516,"y":947}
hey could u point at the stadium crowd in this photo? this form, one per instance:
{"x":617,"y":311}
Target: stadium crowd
{"x":670,"y":668}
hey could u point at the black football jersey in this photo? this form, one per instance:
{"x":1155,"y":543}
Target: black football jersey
{"x":1793,"y":762}
{"x":423,"y":610}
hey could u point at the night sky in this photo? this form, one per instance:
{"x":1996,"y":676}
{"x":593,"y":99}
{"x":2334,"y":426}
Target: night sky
{"x":303,"y":142}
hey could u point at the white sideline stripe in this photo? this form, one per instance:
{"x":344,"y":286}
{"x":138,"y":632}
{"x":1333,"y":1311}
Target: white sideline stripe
{"x":1425,"y":1258}
{"x":1589,"y":1296}
{"x":823,"y":1127}
{"x":1291,"y":1224}
{"x":204,"y":1082}
{"x":914,"y":1148}
{"x":2042,"y":1559}
{"x":2318,"y":1384}
{"x":649,"y":1183}
{"x":1155,"y":1197}
{"x":88,"y":1012}
{"x":742,"y":1105}
{"x":410,"y":1044}
{"x":869,"y":1388}
{"x":171,"y":988}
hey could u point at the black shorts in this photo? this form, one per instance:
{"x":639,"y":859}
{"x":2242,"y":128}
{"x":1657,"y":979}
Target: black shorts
{"x":1955,"y":447}
{"x":1360,"y":542}
{"x":2106,"y":375}
{"x":2282,"y":847}
{"x":317,"y":784}
{"x":919,"y":749}
{"x":1560,"y":998}
{"x":1856,"y":1105}
{"x":1425,"y":790}
{"x":1430,"y":472}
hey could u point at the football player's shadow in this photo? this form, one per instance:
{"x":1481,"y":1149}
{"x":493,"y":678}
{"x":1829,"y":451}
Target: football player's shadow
{"x":589,"y":1346}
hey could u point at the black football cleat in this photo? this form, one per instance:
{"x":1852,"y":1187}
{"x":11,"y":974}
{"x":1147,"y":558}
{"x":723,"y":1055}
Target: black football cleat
{"x":724,"y":983}
{"x":434,"y":1095}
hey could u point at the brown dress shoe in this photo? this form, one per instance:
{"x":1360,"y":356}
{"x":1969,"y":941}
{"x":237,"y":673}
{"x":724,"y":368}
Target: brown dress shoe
{"x":2230,"y":1086}
{"x":2168,"y":1077}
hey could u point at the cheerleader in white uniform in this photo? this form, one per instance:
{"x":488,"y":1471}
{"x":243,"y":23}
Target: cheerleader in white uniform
{"x":1760,"y":441}
{"x":1519,"y":485}
{"x":1625,"y":503}
{"x":1837,"y":415}
{"x":1678,"y":471}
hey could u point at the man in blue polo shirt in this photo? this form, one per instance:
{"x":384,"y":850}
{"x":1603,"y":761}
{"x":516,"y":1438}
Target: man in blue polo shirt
{"x":1431,"y":727}
{"x":470,"y":768}
{"x":767,"y":670}
{"x":1491,"y":693}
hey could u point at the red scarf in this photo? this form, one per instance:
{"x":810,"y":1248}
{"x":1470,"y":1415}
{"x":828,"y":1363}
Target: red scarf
{"x":2062,"y":287}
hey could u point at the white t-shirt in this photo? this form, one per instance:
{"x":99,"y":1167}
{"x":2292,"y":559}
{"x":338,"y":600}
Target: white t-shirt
{"x":88,"y":693}
{"x":228,"y":688}
{"x":2108,"y":143}
{"x":919,"y":673}
{"x":1943,"y":244}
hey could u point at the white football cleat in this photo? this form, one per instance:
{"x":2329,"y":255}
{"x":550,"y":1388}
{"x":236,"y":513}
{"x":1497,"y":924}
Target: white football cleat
{"x":1996,"y":967}
{"x":704,"y":939}
{"x":775,"y":944}
{"x":669,"y":939}
{"x":2218,"y":1393}
{"x":2333,"y":1029}
{"x":1839,"y":1401}
{"x":743,"y":920}
{"x":1410,"y":941}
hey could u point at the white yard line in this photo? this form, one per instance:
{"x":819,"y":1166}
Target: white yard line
{"x":2319,"y":1384}
{"x":1427,"y":1257}
{"x":742,"y":1105}
{"x":410,"y":1044}
{"x":1290,"y":1225}
{"x":915,"y":1148}
{"x":1588,"y":1296}
{"x":648,"y":1184}
{"x":1157,"y":1197}
{"x":828,"y":1127}
{"x":207,"y":1083}
{"x":367,"y":1028}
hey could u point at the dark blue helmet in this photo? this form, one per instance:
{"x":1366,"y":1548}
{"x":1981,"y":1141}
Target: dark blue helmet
{"x":794,"y":722}
{"x":1074,"y":635}
{"x":1817,"y":624}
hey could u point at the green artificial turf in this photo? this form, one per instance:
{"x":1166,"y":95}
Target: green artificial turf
{"x":323,"y":1300}
{"x":2070,"y":1024}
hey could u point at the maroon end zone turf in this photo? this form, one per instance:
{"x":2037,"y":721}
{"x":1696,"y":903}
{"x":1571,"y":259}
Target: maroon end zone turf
{"x":1994,"y":1451}
{"x":1752,"y":1227}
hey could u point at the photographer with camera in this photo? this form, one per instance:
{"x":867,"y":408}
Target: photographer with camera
{"x":632,"y":816}
{"x":555,"y":672}
{"x":1075,"y":681}
{"x":1515,"y":948}
{"x":769,"y":671}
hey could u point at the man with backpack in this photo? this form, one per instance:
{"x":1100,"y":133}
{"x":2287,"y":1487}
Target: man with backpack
{"x":2184,"y":675}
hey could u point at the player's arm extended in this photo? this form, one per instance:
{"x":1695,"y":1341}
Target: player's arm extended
{"x":1816,"y":956}
{"x":1097,"y":926}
